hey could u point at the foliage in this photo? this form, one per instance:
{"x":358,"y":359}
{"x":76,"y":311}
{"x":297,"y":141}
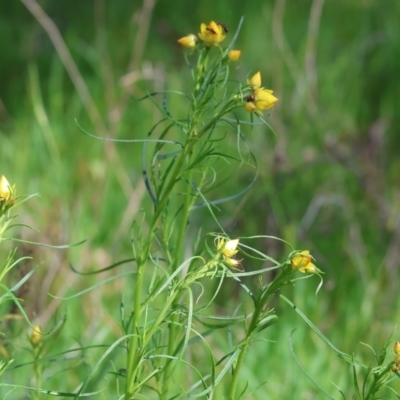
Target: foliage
{"x":327,"y":181}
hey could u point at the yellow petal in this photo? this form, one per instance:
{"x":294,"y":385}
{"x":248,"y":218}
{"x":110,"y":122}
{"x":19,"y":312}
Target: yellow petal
{"x":215,"y":28}
{"x":255,"y":80}
{"x":188,"y":41}
{"x":234,"y":55}
{"x":230,"y":248}
{"x":264,"y":99}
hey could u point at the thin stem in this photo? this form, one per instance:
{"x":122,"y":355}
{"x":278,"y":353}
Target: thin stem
{"x":134,"y":348}
{"x":178,"y":254}
{"x":266,"y":297}
{"x":376,"y":383}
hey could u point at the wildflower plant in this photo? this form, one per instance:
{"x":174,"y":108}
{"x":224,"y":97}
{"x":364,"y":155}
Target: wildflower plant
{"x":9,"y":201}
{"x":166,"y":348}
{"x":177,"y":266}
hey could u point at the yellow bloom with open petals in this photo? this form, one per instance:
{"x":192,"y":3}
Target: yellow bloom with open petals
{"x":5,"y":188}
{"x":234,"y":55}
{"x":303,"y":262}
{"x":264,"y":99}
{"x":188,"y":41}
{"x":211,"y":34}
{"x":260,"y":99}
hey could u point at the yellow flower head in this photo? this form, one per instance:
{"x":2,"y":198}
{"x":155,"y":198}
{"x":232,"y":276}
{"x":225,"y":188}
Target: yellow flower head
{"x":228,"y":248}
{"x":212,"y":34}
{"x":302,"y":262}
{"x":260,"y":99}
{"x":188,"y":41}
{"x":5,"y":188}
{"x":36,"y":336}
{"x":234,"y":55}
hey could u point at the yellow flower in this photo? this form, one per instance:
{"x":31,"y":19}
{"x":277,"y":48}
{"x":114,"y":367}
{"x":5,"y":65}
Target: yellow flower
{"x":188,"y":41}
{"x":228,"y":248}
{"x":212,"y":34}
{"x":234,"y":55}
{"x":36,"y":336}
{"x":260,"y":99}
{"x":5,"y":188}
{"x":302,"y":262}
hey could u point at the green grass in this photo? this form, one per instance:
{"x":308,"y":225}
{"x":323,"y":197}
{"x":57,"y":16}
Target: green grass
{"x":328,"y":181}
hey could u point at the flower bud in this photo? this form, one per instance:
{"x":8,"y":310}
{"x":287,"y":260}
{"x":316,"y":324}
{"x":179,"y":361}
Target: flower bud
{"x":36,"y":336}
{"x":397,"y":348}
{"x":5,"y":188}
{"x":233,"y":263}
{"x":188,"y":41}
{"x":234,"y":55}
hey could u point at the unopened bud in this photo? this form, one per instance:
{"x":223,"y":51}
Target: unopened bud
{"x":397,"y":348}
{"x":36,"y":336}
{"x":5,"y":188}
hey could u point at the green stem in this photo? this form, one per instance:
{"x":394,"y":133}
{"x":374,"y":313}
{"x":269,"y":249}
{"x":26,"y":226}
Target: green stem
{"x":376,"y":383}
{"x":135,"y":349}
{"x":134,"y":353}
{"x":177,"y":257}
{"x":38,"y":373}
{"x":260,"y":306}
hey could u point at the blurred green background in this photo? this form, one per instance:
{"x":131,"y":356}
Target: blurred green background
{"x":329,"y":181}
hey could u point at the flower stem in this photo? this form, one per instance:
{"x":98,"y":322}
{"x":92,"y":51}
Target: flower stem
{"x":264,"y":300}
{"x":134,"y":353}
{"x":177,"y":257}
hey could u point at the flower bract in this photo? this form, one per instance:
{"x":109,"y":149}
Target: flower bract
{"x":211,"y":34}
